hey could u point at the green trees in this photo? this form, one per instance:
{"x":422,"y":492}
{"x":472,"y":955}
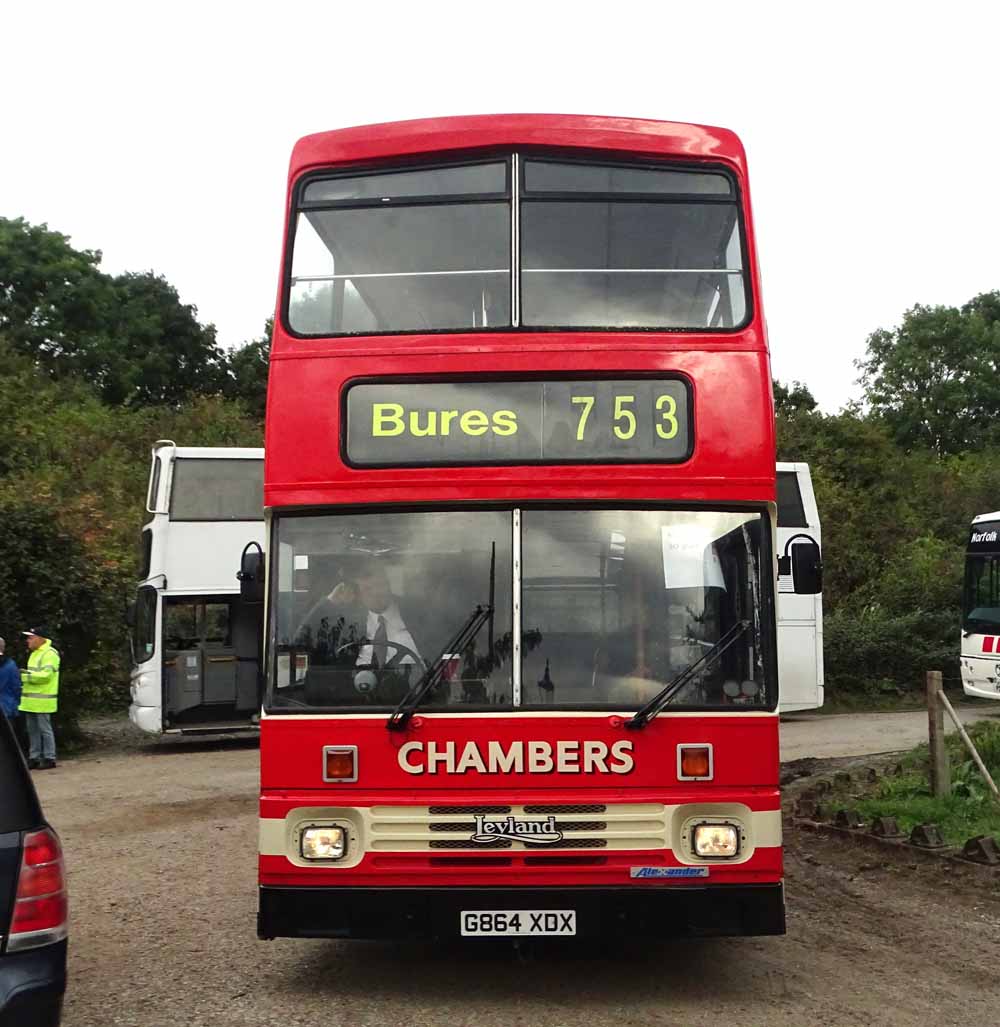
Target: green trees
{"x":157,"y":351}
{"x":792,"y":399}
{"x":246,"y":380}
{"x":128,"y":335}
{"x":53,"y":299}
{"x":96,"y":367}
{"x":935,"y":380}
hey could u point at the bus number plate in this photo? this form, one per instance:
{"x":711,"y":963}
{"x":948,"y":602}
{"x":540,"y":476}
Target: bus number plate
{"x":513,"y":923}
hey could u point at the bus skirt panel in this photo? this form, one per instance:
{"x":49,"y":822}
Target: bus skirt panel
{"x":647,"y":910}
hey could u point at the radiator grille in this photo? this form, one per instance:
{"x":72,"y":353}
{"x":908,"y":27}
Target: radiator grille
{"x":458,"y":826}
{"x":476,"y":862}
{"x":419,"y":828}
{"x":469,"y":811}
{"x":592,"y":808}
{"x":565,"y":861}
{"x":458,"y":843}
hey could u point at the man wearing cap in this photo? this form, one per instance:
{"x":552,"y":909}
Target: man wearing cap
{"x":40,"y":697}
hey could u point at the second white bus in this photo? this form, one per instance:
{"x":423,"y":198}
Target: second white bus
{"x":981,"y":609}
{"x":195,"y":645}
{"x":800,"y":617}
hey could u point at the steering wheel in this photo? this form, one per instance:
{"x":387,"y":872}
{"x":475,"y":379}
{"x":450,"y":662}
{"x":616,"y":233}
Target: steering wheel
{"x":368,"y":678}
{"x":390,"y":664}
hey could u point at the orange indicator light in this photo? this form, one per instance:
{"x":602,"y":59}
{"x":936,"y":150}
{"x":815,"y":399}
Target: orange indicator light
{"x":339,"y":765}
{"x":696,"y":761}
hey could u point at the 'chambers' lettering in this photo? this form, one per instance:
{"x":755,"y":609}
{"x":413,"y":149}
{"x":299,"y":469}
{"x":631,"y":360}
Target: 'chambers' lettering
{"x":534,"y":757}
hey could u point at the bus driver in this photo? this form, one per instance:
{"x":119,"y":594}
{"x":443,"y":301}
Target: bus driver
{"x":372,"y":598}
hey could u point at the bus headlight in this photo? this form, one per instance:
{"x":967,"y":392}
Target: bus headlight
{"x":715,"y":841}
{"x":323,"y":843}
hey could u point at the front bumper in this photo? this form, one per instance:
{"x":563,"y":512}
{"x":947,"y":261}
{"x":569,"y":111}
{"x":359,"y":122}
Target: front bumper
{"x":646,"y":910}
{"x":980,"y":690}
{"x":146,"y":718}
{"x":981,"y":676}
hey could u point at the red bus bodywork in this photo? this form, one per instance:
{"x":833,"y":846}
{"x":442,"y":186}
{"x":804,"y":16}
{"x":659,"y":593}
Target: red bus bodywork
{"x":390,"y":893}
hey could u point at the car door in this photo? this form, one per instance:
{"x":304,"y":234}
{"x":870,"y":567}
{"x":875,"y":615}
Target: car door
{"x":33,"y":910}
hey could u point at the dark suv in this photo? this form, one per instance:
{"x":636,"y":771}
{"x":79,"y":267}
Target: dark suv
{"x":32,"y":900}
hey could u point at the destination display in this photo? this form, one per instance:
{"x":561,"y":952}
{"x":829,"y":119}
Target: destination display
{"x":641,"y":420}
{"x":984,"y":537}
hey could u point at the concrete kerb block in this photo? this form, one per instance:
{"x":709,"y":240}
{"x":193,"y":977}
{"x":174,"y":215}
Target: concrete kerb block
{"x":806,"y":807}
{"x":982,"y":849}
{"x":811,"y":808}
{"x":849,"y":818}
{"x":885,"y":827}
{"x":927,"y":836}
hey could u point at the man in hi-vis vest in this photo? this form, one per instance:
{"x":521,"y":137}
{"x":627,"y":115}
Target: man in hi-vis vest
{"x":40,"y":697}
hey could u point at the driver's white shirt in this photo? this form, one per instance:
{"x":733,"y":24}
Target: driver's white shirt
{"x":396,"y":632}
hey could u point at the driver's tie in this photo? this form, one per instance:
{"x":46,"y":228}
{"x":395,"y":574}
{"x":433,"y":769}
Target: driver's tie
{"x":380,"y":643}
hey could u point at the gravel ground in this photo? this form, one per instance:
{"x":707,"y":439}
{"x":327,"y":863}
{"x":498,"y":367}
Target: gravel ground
{"x":161,"y":839}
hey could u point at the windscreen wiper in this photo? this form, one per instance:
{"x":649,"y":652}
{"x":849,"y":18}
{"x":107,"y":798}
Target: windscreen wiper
{"x":653,"y":707}
{"x":432,"y":676}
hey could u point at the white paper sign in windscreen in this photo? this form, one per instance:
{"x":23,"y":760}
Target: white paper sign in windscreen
{"x":690,"y":559}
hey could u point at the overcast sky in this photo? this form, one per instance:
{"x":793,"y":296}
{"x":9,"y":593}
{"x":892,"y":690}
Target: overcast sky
{"x":160,"y":134}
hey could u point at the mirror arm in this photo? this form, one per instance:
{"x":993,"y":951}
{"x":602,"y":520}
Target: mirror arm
{"x":785,"y":560}
{"x":246,"y":578}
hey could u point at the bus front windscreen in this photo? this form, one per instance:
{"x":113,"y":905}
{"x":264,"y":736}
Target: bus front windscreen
{"x":203,"y":489}
{"x":981,"y":599}
{"x":614,"y":606}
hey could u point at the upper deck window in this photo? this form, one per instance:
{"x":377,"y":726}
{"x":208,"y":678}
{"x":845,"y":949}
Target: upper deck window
{"x":791,"y":511}
{"x":414,"y":185}
{"x":625,"y":247}
{"x":405,"y":251}
{"x":589,"y":245}
{"x":551,"y":177}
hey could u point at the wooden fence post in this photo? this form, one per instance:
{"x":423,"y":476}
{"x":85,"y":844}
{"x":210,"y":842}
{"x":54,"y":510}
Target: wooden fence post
{"x":940,"y":768}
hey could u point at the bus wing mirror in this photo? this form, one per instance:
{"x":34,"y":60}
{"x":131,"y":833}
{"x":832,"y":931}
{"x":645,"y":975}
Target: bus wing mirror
{"x":251,"y":574}
{"x":807,"y":568}
{"x":130,"y":614}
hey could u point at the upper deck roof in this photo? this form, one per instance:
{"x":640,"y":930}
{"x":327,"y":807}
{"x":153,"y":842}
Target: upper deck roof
{"x":218,"y":453}
{"x":432,"y":135}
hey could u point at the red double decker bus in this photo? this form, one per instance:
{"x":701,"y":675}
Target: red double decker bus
{"x":520,"y":486}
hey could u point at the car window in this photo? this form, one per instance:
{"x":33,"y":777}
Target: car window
{"x":19,"y":809}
